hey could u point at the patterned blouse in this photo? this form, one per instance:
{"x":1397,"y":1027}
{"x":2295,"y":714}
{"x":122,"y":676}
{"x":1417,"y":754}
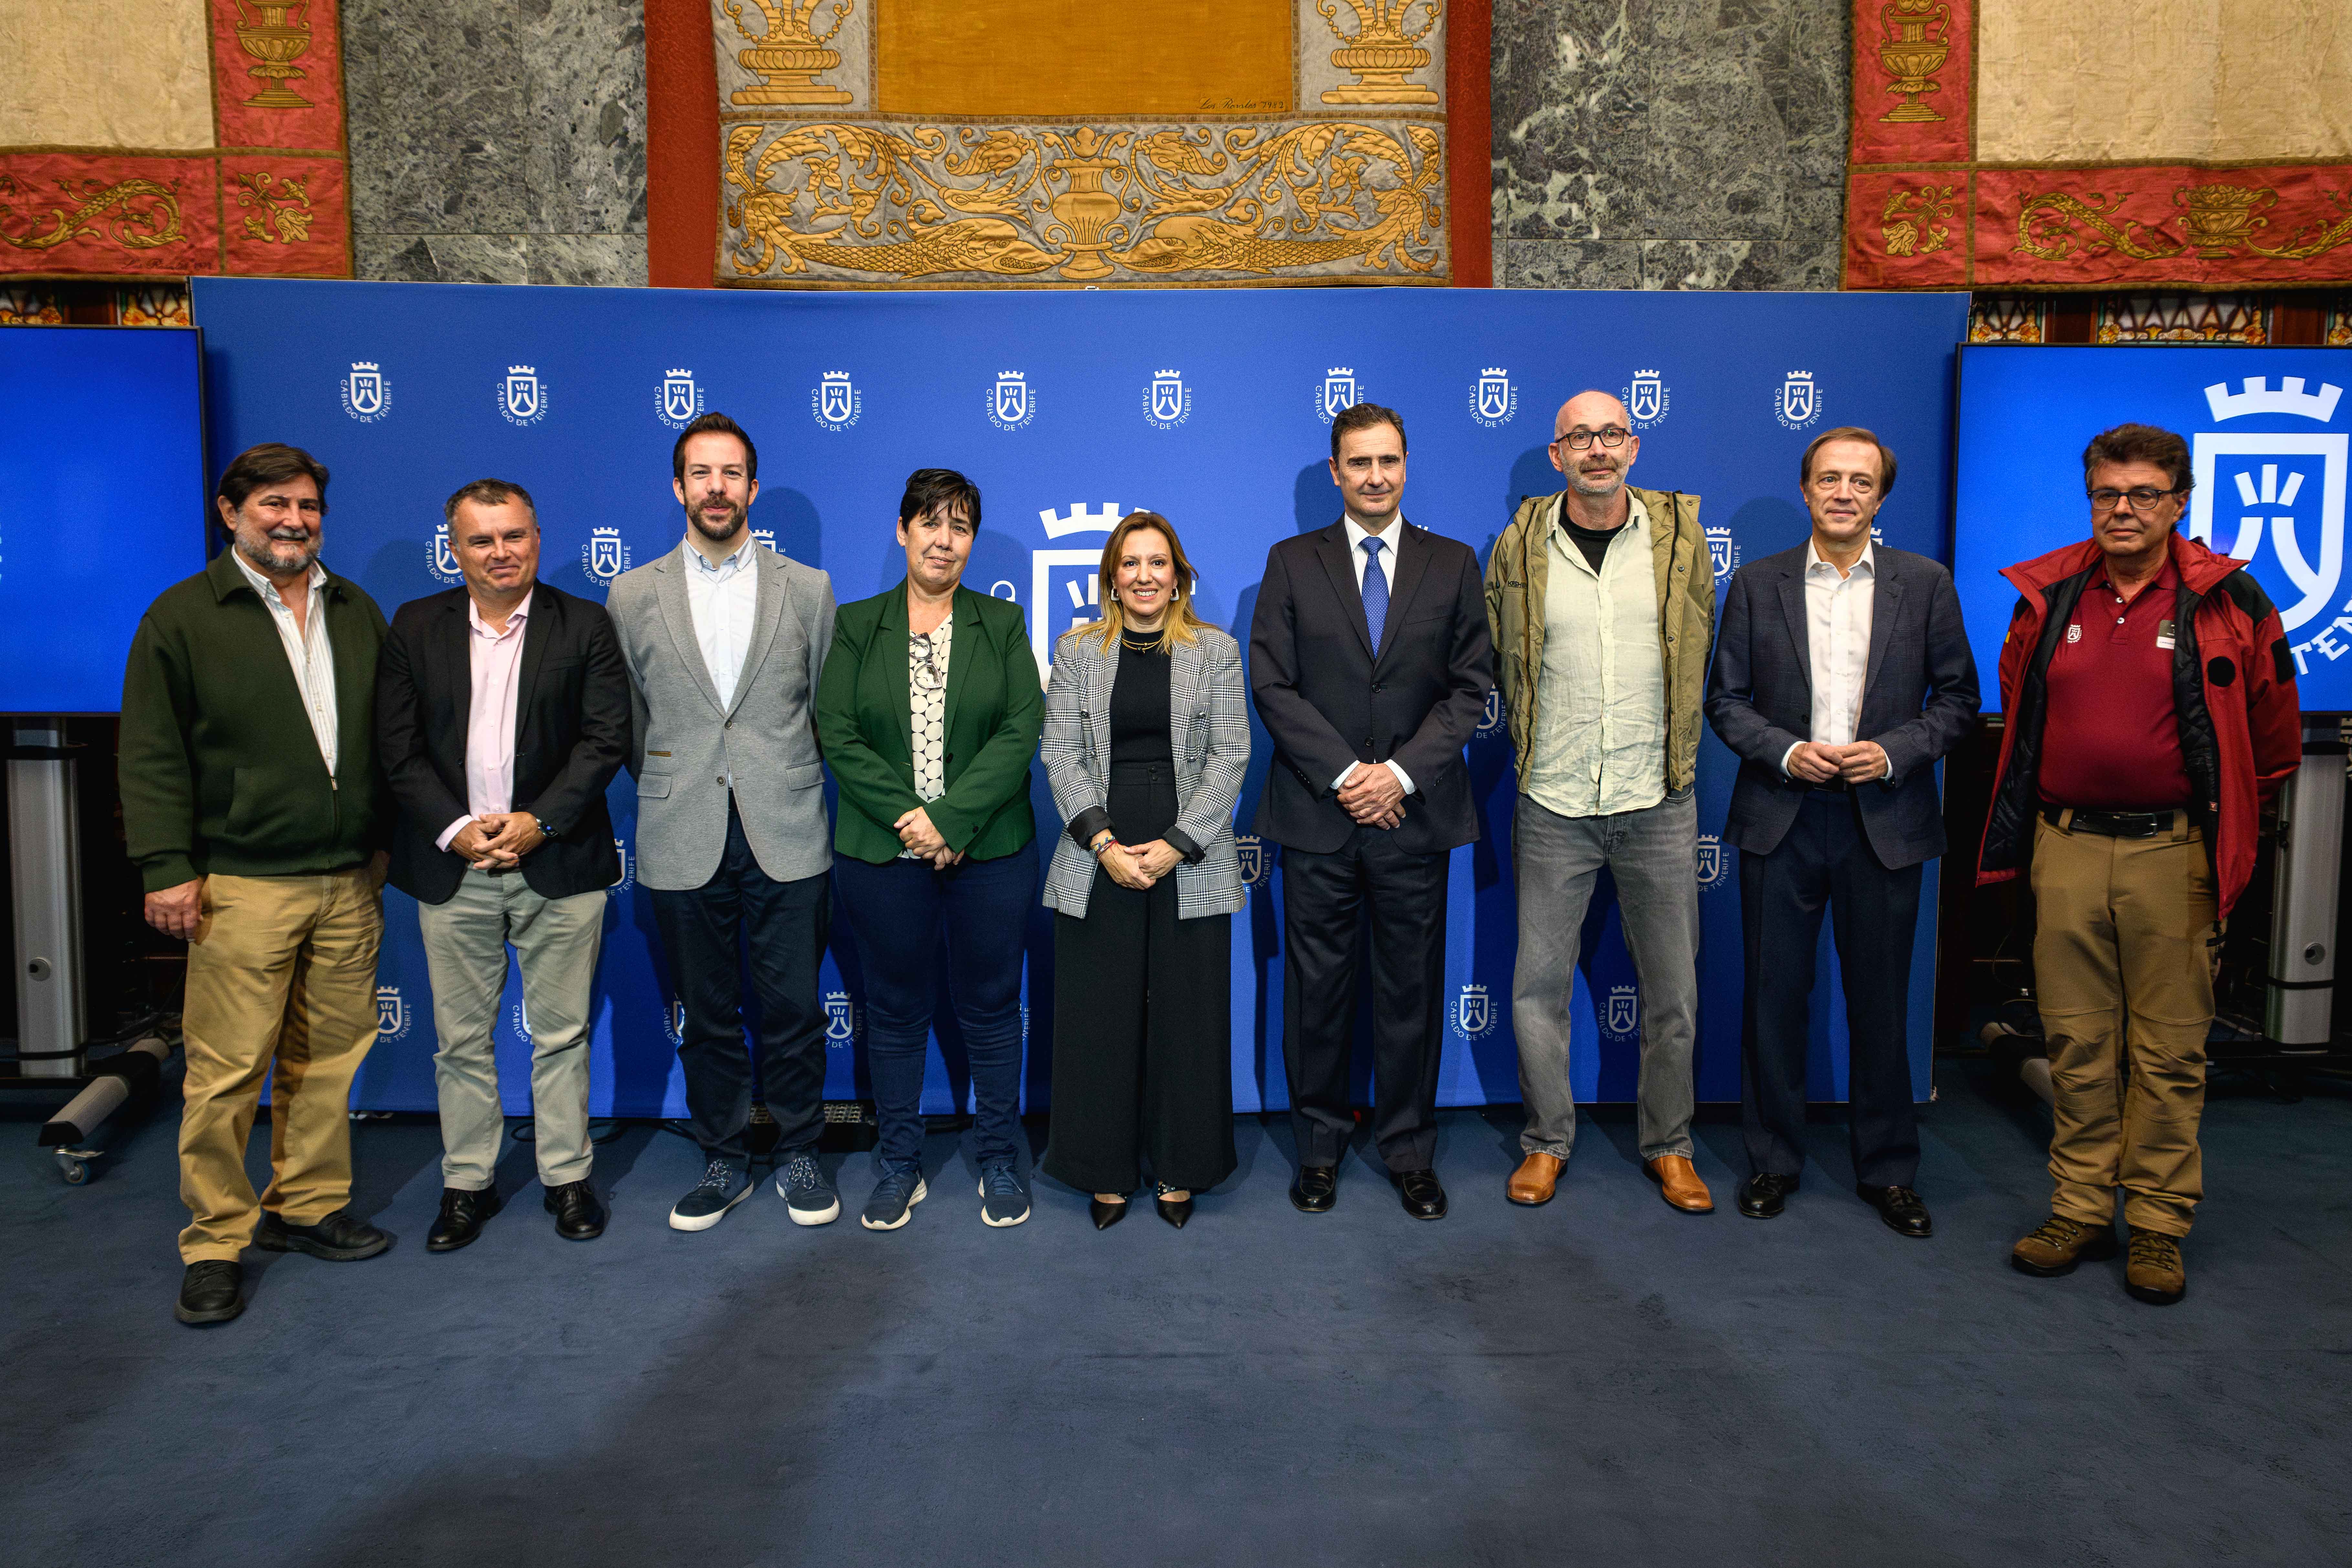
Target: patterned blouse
{"x":926,"y":686}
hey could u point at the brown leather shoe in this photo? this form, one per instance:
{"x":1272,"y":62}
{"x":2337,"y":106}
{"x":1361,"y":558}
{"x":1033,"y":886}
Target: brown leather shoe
{"x":1680,"y":1184}
{"x":1533,"y":1181}
{"x":2060,"y":1243}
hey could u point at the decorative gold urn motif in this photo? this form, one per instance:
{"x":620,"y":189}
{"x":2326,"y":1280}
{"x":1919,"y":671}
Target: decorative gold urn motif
{"x":1085,"y":216}
{"x":2222,"y":218}
{"x":790,"y":52}
{"x":1381,"y":54}
{"x":277,"y":40}
{"x":1914,"y":55}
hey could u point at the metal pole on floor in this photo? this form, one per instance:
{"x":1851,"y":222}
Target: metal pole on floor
{"x":2300,"y":1006}
{"x":44,"y":846}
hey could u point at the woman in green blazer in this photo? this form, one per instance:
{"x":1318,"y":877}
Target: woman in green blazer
{"x":929,"y":711}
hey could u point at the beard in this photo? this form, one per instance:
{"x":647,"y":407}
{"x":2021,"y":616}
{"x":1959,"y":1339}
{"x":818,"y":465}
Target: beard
{"x":1607,"y":484}
{"x":721,"y":532}
{"x":271,"y":556}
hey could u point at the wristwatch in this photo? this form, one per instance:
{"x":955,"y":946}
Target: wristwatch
{"x":545,"y":831}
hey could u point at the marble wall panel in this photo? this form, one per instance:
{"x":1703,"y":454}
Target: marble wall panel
{"x":1700,"y":144}
{"x":498,"y":141}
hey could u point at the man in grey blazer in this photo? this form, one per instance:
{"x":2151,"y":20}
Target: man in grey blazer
{"x":1842,"y":674}
{"x":724,"y":640}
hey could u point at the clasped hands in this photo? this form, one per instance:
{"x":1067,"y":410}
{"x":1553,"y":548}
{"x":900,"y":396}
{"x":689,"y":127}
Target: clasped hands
{"x":1372,"y":796}
{"x":915,"y":831}
{"x":498,"y":840}
{"x":1139,"y":865}
{"x":1857,"y":763}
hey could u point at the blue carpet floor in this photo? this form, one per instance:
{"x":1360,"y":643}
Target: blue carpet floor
{"x":1600,"y":1381}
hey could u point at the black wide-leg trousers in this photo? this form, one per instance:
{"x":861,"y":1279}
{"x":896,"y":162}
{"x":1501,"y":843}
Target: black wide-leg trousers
{"x":1142,"y":1022}
{"x":1826,"y":861}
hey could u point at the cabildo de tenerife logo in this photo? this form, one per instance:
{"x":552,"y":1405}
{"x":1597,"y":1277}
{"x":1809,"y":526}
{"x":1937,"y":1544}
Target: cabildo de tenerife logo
{"x":1250,"y":851}
{"x":1065,"y":585}
{"x":367,"y":396}
{"x":440,"y":561}
{"x":2286,"y":487}
{"x":523,"y":397}
{"x":679,"y":402}
{"x":1621,"y":1015}
{"x":620,"y":884}
{"x":840,"y":1020}
{"x":1713,"y":868}
{"x":1490,"y":716}
{"x":1722,"y":554}
{"x":1645,"y":399}
{"x":1167,"y":400}
{"x":1797,"y":402}
{"x":1474,"y":1013}
{"x":1492,"y":399}
{"x":392,"y":1014}
{"x":605,"y":555}
{"x":1011,"y":403}
{"x":1336,"y":393}
{"x":834,"y":401}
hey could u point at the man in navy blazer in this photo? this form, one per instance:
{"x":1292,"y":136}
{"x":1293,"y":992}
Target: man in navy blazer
{"x":1842,"y":674}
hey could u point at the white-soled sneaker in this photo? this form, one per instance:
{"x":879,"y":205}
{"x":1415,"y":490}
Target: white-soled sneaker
{"x":808,"y":1192}
{"x":723,"y":1185}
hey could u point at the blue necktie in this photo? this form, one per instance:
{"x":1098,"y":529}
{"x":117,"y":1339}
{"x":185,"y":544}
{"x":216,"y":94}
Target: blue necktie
{"x":1375,"y":591}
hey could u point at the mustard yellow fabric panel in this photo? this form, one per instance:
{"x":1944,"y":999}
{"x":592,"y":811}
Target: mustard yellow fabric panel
{"x":132,"y":73}
{"x":997,"y":58}
{"x":2156,"y":80}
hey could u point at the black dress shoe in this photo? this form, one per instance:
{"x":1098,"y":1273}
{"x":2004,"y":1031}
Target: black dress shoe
{"x":578,"y":1216}
{"x":463,"y":1215}
{"x":1175,"y":1211}
{"x":1106,"y":1215}
{"x":1424,"y":1198}
{"x":211,"y":1291}
{"x":1902,"y":1210}
{"x":338,"y":1238}
{"x":1762,"y":1194}
{"x":1316,"y":1189}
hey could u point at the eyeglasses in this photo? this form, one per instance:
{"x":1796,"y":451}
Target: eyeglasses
{"x":1578,"y":440}
{"x":2142,"y":497}
{"x":927,"y":676}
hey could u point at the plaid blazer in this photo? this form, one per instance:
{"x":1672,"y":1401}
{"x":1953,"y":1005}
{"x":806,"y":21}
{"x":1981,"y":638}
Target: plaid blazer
{"x":1208,"y":721}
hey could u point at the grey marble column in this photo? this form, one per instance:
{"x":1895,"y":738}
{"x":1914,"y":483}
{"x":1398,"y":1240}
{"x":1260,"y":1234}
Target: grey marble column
{"x":497,"y":141}
{"x":1669,"y":143}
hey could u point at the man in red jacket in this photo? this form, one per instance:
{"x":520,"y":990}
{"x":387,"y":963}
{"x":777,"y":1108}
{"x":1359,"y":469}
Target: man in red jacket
{"x":2151,"y":703}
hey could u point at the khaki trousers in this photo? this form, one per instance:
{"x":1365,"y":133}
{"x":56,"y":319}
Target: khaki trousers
{"x":2120,"y":959}
{"x":281,"y":973}
{"x":465,"y":954}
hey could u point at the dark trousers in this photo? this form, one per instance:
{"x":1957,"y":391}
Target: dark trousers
{"x":1326,"y":900}
{"x":1143,"y":1015}
{"x":1826,"y":859}
{"x":896,"y":912}
{"x":784,"y":924}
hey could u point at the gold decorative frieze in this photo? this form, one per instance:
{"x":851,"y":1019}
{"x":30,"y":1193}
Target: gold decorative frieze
{"x":1383,"y":51}
{"x":841,"y":202}
{"x":788,"y":53}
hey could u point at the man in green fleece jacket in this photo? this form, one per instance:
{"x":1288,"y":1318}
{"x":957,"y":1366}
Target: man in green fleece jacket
{"x":252,"y":805}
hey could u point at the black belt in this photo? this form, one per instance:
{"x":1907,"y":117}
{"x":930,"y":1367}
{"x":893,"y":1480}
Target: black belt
{"x":1832,"y":786}
{"x":2113,"y":823}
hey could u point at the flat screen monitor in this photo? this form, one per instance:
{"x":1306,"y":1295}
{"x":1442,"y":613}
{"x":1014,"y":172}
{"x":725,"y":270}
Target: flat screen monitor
{"x":2267,"y":430}
{"x":102,"y":466}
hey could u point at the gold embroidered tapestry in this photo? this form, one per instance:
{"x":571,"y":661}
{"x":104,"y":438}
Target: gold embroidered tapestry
{"x":159,"y":137}
{"x":2176,"y":144}
{"x":917,"y":143}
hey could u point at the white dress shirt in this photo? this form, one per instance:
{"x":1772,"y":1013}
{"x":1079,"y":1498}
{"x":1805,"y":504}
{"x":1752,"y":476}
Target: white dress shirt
{"x":496,"y":672}
{"x":308,"y":650}
{"x":1391,"y":540}
{"x":724,"y":601}
{"x":1837,"y":640}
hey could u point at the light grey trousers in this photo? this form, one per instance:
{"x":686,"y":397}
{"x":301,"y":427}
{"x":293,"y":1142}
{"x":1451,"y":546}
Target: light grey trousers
{"x":466,"y":954}
{"x":1555,"y":860}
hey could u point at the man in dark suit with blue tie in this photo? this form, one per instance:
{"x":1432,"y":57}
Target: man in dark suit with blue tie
{"x":1841,"y":675}
{"x":1369,"y":663}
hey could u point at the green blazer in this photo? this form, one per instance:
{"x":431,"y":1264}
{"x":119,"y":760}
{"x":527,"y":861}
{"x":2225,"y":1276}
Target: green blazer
{"x":995,"y":707}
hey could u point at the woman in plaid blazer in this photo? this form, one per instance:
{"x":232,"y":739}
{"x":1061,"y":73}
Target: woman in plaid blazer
{"x":1146,"y":741}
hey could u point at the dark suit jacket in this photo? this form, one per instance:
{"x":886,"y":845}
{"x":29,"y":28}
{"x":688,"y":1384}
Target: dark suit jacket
{"x":571,"y":734}
{"x":1918,"y":698}
{"x":1328,"y":700}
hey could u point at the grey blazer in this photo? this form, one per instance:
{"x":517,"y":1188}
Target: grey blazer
{"x":1208,"y":722}
{"x":684,"y":745}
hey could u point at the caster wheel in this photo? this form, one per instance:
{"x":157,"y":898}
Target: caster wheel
{"x":75,"y":1171}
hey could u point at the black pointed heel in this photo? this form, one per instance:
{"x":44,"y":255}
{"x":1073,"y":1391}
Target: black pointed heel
{"x":1175,"y":1211}
{"x":1106,"y":1215}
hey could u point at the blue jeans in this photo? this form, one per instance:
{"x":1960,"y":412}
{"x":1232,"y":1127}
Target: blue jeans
{"x":895,"y":912}
{"x":1555,"y":860}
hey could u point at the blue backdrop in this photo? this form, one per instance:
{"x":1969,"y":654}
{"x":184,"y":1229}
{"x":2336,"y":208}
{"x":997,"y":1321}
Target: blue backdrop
{"x":1069,"y":409}
{"x":2267,"y":437}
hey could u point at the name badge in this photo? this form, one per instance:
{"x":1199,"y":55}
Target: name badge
{"x":2163,"y":634}
{"x":2074,"y":632}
